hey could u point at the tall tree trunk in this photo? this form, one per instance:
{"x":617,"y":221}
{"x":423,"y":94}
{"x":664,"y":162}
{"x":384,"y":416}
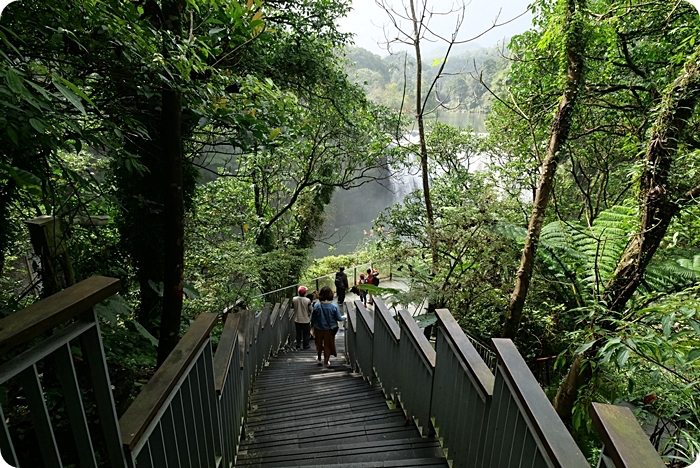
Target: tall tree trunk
{"x":658,"y":207}
{"x":174,"y":216}
{"x":173,"y":202}
{"x":421,"y":137}
{"x":559,"y":133}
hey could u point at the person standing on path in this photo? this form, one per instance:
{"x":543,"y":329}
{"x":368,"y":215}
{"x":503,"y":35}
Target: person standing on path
{"x":324,"y":319}
{"x":302,"y":311}
{"x":341,"y":284}
{"x":363,"y":293}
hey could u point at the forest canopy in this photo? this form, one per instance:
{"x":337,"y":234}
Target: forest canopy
{"x":190,"y":149}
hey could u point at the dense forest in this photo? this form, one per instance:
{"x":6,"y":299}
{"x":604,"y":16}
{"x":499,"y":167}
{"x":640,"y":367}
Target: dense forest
{"x":190,"y":150}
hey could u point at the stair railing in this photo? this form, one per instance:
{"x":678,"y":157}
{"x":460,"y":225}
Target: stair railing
{"x":481,"y":418}
{"x":416,"y":372}
{"x":58,"y":322}
{"x":193,"y":410}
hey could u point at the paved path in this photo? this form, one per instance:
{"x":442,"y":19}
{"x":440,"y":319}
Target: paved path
{"x":395,"y":284}
{"x":305,"y":415}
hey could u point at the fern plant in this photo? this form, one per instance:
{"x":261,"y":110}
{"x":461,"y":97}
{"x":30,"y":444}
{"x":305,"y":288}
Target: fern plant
{"x":582,"y":259}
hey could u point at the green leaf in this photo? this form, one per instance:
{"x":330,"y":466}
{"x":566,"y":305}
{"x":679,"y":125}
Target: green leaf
{"x":158,"y":288}
{"x":79,"y":92}
{"x":693,"y":354}
{"x":189,"y":289}
{"x":38,"y":125}
{"x":14,"y":81}
{"x":584,"y":347}
{"x":622,"y":357}
{"x":70,"y":95}
{"x":425,"y":320}
{"x":145,"y":333}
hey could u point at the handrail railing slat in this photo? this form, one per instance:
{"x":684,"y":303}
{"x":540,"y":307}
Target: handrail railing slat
{"x":141,"y":412}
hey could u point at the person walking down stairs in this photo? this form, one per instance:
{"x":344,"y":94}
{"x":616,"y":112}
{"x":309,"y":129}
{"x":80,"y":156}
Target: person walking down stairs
{"x":341,"y":284}
{"x":302,"y":317}
{"x":324,"y":319}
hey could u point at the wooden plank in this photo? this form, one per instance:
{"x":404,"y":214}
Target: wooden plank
{"x":555,"y":438}
{"x":624,"y":439}
{"x":481,"y":375}
{"x":418,"y":338}
{"x":388,"y":319}
{"x":142,"y":411}
{"x":48,"y":313}
{"x":224,"y":352}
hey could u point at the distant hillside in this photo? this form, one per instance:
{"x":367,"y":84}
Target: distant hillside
{"x":383,"y":78}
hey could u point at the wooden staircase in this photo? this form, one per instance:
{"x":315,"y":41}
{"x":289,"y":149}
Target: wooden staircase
{"x":305,"y":415}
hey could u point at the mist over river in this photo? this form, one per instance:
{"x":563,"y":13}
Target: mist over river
{"x":350,"y":215}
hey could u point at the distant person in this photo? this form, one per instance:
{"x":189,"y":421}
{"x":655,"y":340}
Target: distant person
{"x":362,"y":293}
{"x":341,"y":284}
{"x":324,"y":319}
{"x":302,"y":317}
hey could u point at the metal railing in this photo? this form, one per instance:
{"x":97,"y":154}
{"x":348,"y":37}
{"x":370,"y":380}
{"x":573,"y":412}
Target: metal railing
{"x":71,"y":309}
{"x":193,"y":411}
{"x":386,"y":350}
{"x":481,"y":418}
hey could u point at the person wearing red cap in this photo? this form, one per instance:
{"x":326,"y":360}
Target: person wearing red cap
{"x":302,"y":311}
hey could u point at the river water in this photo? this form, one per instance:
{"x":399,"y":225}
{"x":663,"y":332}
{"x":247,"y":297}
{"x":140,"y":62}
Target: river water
{"x":351,"y":213}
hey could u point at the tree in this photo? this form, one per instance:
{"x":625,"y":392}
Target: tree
{"x":574,"y":46}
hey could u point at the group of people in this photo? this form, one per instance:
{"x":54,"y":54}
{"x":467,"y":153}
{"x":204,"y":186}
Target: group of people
{"x":323,"y":316}
{"x":317,"y":311}
{"x":370,"y":277}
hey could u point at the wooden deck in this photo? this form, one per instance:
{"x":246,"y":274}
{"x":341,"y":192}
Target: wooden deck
{"x":305,"y":415}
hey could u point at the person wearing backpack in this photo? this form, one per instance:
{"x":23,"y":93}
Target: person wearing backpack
{"x":341,"y":284}
{"x":375,"y":278}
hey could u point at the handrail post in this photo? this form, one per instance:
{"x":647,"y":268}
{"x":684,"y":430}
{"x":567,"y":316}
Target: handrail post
{"x":624,"y":441}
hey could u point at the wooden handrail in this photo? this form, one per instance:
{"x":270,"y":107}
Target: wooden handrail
{"x":625,"y":442}
{"x":555,"y":438}
{"x":481,"y":375}
{"x":139,"y":415}
{"x":365,"y":316}
{"x":224,"y":352}
{"x":387,"y":318}
{"x":418,"y":338}
{"x":42,"y":316}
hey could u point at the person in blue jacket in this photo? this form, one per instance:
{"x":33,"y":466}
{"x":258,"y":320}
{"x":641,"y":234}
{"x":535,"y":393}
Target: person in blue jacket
{"x":324,"y":319}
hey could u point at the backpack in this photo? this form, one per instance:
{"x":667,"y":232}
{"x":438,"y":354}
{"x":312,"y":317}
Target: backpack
{"x":375,"y":280}
{"x":339,"y":284}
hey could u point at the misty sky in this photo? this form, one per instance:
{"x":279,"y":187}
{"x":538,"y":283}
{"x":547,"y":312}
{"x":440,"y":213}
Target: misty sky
{"x":366,"y":21}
